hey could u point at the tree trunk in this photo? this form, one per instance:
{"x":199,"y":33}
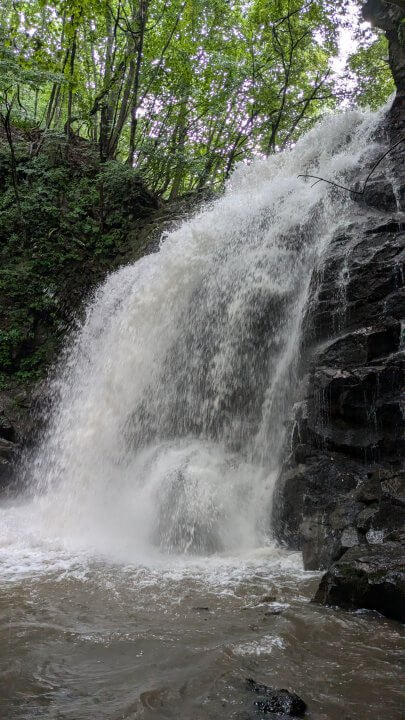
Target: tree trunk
{"x":390,"y":17}
{"x":142,"y":18}
{"x":70,"y":94}
{"x":5,"y":119}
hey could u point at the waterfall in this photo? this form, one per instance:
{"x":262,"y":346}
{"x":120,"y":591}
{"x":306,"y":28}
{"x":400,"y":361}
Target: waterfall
{"x":168,"y":422}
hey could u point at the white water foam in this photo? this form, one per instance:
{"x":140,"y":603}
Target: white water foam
{"x":168,"y":422}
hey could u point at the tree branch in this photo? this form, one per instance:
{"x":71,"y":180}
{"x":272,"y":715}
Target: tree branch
{"x":343,"y":187}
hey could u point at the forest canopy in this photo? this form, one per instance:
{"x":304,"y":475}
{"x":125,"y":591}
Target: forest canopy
{"x":119,"y":116}
{"x":183,"y":89}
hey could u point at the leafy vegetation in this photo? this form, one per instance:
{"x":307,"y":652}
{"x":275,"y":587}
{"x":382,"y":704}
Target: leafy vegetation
{"x":110,"y":108}
{"x":182,"y":89}
{"x":76,"y":219}
{"x":365,"y":66}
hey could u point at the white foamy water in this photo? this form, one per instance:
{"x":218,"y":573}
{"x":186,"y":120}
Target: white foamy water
{"x":138,"y":573}
{"x":169,"y":405}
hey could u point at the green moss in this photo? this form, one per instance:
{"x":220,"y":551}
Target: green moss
{"x":77,"y":220}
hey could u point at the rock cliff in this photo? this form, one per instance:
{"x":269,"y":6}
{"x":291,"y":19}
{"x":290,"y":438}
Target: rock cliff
{"x":341,"y":495}
{"x":343,"y":487}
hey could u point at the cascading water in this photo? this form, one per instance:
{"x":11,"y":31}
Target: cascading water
{"x":168,"y":421}
{"x":138,"y":576}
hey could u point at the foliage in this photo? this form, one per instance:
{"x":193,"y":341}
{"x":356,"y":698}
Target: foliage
{"x":101,"y":99}
{"x":370,"y":73}
{"x":183,"y":89}
{"x":81,"y":219}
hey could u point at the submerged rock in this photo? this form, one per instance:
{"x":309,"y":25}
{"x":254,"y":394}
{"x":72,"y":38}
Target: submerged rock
{"x":281,"y":702}
{"x":367,"y":577}
{"x":268,"y":598}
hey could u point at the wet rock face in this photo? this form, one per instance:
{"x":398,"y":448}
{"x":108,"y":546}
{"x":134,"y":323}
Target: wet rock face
{"x":7,"y":457}
{"x":8,"y":444}
{"x":15,"y":423}
{"x":341,"y":495}
{"x":367,"y":577}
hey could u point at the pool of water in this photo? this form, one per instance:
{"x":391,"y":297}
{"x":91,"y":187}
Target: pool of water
{"x":86,"y":637}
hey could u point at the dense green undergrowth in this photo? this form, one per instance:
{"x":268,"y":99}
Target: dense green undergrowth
{"x":71,"y":221}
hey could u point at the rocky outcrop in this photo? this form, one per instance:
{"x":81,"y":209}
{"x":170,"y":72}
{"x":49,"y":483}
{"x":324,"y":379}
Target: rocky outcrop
{"x":341,"y":495}
{"x":368,"y":577}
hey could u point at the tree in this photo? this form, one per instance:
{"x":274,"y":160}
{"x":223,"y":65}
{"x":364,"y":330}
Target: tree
{"x":182,"y":89}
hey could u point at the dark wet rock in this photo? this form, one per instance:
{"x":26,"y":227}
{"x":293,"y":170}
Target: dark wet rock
{"x":316,"y":505}
{"x":393,"y":488}
{"x":396,"y":536}
{"x":381,"y":195}
{"x":273,"y":611}
{"x":357,"y":410}
{"x":275,"y":716}
{"x":362,"y":281}
{"x":8,"y":456}
{"x":350,"y":538}
{"x":369,"y":490}
{"x":367,"y":577}
{"x":362,"y":345}
{"x":7,"y":473}
{"x":15,"y":427}
{"x":7,"y":430}
{"x":365,"y":518}
{"x":341,"y":495}
{"x":275,"y":705}
{"x":281,"y":702}
{"x":303,"y":452}
{"x":7,"y":449}
{"x":16,"y":417}
{"x":342,"y":488}
{"x":268,"y":598}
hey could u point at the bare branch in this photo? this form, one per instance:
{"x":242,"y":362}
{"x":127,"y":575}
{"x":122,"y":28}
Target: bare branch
{"x":293,"y":12}
{"x":343,"y":187}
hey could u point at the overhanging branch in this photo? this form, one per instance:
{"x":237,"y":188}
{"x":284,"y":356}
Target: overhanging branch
{"x":343,"y":187}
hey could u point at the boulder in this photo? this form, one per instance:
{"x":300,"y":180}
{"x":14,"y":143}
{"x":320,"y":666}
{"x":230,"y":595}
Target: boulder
{"x":367,"y":577}
{"x":280,"y":702}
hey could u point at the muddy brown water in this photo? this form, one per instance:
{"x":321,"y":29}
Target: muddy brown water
{"x":87,"y":639}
